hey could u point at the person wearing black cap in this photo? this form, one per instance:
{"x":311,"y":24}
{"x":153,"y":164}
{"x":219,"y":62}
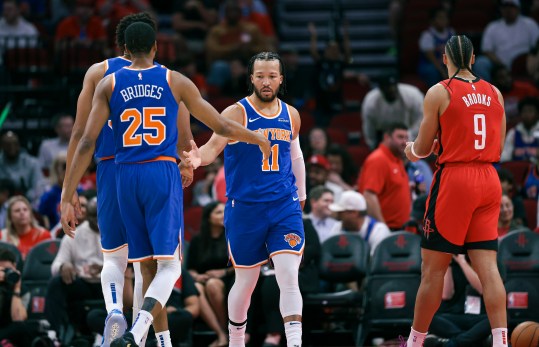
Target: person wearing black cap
{"x":391,"y":102}
{"x":506,"y":38}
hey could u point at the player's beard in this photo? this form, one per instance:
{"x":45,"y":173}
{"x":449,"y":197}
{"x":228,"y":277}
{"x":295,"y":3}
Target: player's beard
{"x":266,"y":98}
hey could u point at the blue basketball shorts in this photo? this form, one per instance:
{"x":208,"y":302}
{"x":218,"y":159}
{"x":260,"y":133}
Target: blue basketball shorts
{"x":256,"y":231}
{"x":111,"y":226}
{"x":151,"y":204}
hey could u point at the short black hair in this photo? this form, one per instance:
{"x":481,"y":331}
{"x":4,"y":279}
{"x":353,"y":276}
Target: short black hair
{"x":395,"y":126}
{"x":266,"y":56}
{"x":497,"y":68}
{"x":460,"y":49}
{"x":528,"y":101}
{"x":317,"y":192}
{"x":434,"y":12}
{"x":7,"y":255}
{"x":139,"y":38}
{"x":505,"y":175}
{"x":126,"y":21}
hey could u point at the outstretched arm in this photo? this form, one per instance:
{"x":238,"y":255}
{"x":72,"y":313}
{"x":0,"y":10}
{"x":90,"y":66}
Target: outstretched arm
{"x":296,"y":155}
{"x":184,"y":90}
{"x":83,"y":154}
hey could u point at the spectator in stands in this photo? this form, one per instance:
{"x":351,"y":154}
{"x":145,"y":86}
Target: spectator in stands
{"x":193,"y":19}
{"x":231,"y":41}
{"x":268,"y":293}
{"x":512,"y":91}
{"x":20,"y":167}
{"x":82,"y":27}
{"x":22,"y":229}
{"x":506,"y":223}
{"x":15,"y":31}
{"x":50,"y":200}
{"x":317,"y":175}
{"x":329,"y":71}
{"x":203,"y":192}
{"x":432,"y":46}
{"x":505,"y":39}
{"x":320,"y":199}
{"x":343,"y":172}
{"x":531,"y":182}
{"x":299,"y":80}
{"x":389,"y":103}
{"x":183,"y":307}
{"x":187,"y":65}
{"x":318,"y":142}
{"x":114,"y":10}
{"x":532,"y":63}
{"x":207,"y":262}
{"x":383,"y":180}
{"x":13,"y":314}
{"x":351,"y":210}
{"x":255,"y":11}
{"x":7,"y":189}
{"x":76,"y":276}
{"x":419,"y":176}
{"x":63,"y":125}
{"x":459,"y":320}
{"x":507,"y":181}
{"x":522,"y":141}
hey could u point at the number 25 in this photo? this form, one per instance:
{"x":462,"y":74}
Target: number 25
{"x":479,"y":126}
{"x":131,"y":139}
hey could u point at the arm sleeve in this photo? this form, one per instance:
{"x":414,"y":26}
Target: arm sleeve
{"x":298,"y":168}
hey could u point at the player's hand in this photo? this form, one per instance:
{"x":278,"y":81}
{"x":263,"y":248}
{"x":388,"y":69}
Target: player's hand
{"x":76,"y":204}
{"x":408,"y":152}
{"x":68,"y":273}
{"x":265,"y":147}
{"x":193,"y":157}
{"x":187,"y":174}
{"x":68,"y":219}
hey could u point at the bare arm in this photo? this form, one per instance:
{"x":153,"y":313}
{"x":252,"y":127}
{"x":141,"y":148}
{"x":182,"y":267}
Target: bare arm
{"x":185,"y":90}
{"x":83,"y":154}
{"x":314,"y":42}
{"x":192,"y":305}
{"x":504,"y":124}
{"x":373,"y":205}
{"x":449,"y":285}
{"x":296,"y":155}
{"x":423,"y":144}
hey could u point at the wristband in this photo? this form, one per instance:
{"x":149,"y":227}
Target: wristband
{"x":415,"y":154}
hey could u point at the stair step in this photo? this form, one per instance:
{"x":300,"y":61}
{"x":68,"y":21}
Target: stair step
{"x":371,"y":45}
{"x":330,"y":4}
{"x":322,"y":17}
{"x":371,"y":31}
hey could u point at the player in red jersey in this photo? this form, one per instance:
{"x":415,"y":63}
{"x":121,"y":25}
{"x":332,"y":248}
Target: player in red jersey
{"x":467,"y":117}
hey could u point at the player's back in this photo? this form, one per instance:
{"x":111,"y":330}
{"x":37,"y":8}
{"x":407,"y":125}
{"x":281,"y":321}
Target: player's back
{"x":248,"y":177}
{"x":143,"y":114}
{"x":104,"y":147}
{"x":470,"y":127}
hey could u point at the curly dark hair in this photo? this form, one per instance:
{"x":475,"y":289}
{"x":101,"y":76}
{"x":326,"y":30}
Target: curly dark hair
{"x":139,"y":38}
{"x":126,"y":21}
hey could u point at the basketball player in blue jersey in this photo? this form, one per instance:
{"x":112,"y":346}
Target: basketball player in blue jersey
{"x":263,"y":214}
{"x":112,"y":230}
{"x":142,"y":101}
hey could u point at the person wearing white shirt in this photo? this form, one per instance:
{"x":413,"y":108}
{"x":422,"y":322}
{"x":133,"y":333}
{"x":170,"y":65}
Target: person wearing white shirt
{"x":351,"y":210}
{"x":15,"y":31}
{"x":505,"y":39}
{"x":49,"y":149}
{"x":320,"y":198}
{"x":390,"y":103}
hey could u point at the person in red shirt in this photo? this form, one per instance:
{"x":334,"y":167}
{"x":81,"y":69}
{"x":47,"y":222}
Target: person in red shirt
{"x":22,"y":229}
{"x":83,"y":27}
{"x":383,"y":180}
{"x":467,"y":115}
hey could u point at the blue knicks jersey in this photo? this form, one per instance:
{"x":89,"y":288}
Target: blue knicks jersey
{"x":143,"y":112}
{"x":104,"y":147}
{"x":248,"y":177}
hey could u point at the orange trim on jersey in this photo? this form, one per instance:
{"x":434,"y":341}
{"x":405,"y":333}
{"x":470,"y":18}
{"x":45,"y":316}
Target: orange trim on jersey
{"x":164,"y":257}
{"x":113,"y":250}
{"x":231,"y":142}
{"x":250,"y":266}
{"x":138,"y":260}
{"x":292,"y":126}
{"x":106,"y":158}
{"x":159,"y":158}
{"x":262,"y":113}
{"x":146,"y":68}
{"x":287,"y":251}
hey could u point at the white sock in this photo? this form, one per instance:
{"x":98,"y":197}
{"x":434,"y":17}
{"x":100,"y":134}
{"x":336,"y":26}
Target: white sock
{"x":415,"y":339}
{"x":163,"y":339}
{"x":141,"y":325}
{"x":236,"y":334}
{"x":499,"y":337}
{"x":138,"y":298}
{"x":112,"y":278}
{"x":292,"y":331}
